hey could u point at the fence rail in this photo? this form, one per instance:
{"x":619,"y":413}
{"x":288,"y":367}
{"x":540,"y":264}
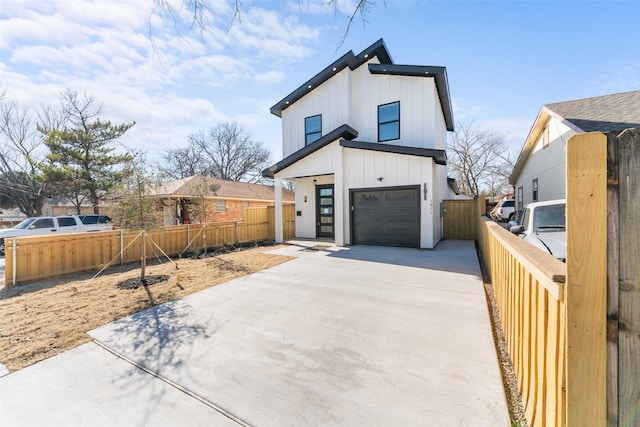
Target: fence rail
{"x":529,"y":291}
{"x":47,"y":256}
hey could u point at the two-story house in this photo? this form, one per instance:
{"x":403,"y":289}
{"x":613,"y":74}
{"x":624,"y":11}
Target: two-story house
{"x":364,"y":142}
{"x":539,"y":172}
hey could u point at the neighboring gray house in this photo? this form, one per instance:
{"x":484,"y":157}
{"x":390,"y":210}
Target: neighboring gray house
{"x":364,"y":142}
{"x":539,"y":173}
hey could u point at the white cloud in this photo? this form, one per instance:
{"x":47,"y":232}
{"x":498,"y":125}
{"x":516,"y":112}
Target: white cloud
{"x":269,"y":77}
{"x":171,"y":80}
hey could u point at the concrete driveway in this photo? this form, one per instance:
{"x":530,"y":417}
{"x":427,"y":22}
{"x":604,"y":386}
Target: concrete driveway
{"x":339,"y":336}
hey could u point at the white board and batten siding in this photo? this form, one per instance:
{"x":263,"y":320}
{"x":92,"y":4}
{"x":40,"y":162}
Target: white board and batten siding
{"x":421,"y":120}
{"x":329,"y":99}
{"x":353,"y":97}
{"x":396,"y":170}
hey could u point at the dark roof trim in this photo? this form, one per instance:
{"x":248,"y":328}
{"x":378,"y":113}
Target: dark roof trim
{"x":439,"y":73}
{"x":453,"y":185}
{"x":347,"y":60}
{"x":439,"y":156}
{"x":344,"y":131}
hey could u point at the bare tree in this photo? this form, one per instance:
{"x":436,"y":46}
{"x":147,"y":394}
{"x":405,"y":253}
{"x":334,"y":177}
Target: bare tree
{"x":181,"y":163}
{"x":479,"y":161}
{"x":134,"y":206}
{"x":227,"y":151}
{"x":21,"y":183}
{"x":199,"y":12}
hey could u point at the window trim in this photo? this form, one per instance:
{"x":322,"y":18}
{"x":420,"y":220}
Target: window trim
{"x":520,"y":198}
{"x":388,"y":122}
{"x":307,"y":134}
{"x":535,"y":191}
{"x":218,"y":203}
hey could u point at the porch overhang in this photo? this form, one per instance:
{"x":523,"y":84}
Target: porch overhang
{"x":344,"y":132}
{"x":438,"y":156}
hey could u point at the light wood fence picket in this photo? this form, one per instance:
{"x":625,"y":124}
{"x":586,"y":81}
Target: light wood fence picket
{"x":48,"y":256}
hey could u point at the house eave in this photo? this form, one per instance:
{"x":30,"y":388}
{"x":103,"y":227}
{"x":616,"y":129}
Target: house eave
{"x":437,"y":73}
{"x":438,"y":156}
{"x":345,"y":131}
{"x":349,"y":59}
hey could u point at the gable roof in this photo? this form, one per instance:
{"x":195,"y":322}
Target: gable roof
{"x":609,"y":113}
{"x":347,"y":60}
{"x":186,"y":187}
{"x":344,"y":131}
{"x":386,"y":66}
{"x":346,"y":134}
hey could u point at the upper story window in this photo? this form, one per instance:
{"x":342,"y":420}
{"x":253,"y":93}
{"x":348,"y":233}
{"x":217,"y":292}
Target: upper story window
{"x":534,"y":188}
{"x":312,"y":128}
{"x":389,"y":121}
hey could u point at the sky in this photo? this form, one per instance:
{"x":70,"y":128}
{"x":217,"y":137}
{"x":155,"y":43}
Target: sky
{"x":504,"y":59}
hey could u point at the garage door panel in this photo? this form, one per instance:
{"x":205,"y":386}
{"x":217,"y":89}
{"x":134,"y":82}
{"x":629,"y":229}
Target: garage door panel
{"x":389,"y":217}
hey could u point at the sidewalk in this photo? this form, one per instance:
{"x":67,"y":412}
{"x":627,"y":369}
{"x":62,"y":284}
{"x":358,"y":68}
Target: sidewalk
{"x":338,"y":336}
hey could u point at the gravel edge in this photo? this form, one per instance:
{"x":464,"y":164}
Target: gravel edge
{"x":509,"y":378}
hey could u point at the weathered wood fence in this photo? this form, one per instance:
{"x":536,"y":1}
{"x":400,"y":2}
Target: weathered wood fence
{"x":47,"y":256}
{"x":623,"y":278}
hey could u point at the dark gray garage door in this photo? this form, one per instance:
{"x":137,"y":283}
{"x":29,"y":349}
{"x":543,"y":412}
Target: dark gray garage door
{"x":387,"y":216}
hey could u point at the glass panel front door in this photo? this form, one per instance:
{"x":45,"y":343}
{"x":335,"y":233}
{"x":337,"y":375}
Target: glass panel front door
{"x":324,"y":211}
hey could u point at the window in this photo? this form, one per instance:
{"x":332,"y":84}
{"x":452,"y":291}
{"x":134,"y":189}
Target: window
{"x":221,"y":205}
{"x":519,"y":199}
{"x":545,"y":137}
{"x":534,"y":187}
{"x":312,"y":128}
{"x":66,"y":221}
{"x":389,"y":121}
{"x":43,"y":223}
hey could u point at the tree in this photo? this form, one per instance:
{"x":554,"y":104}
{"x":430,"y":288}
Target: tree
{"x":133,"y":204}
{"x":200,"y":13}
{"x":181,"y":163}
{"x":21,"y":183}
{"x":80,"y":158}
{"x":479,"y":161}
{"x":226,"y":152}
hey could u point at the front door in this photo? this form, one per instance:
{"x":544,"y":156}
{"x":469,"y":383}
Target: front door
{"x":324,"y":211}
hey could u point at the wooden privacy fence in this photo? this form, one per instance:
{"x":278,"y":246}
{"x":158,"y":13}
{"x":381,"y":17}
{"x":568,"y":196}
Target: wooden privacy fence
{"x":554,"y":315}
{"x":47,"y":256}
{"x":529,"y":291}
{"x":459,"y":219}
{"x":623,"y":278}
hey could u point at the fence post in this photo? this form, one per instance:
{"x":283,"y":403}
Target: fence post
{"x":15,"y":261}
{"x":121,"y":247}
{"x":586,"y":289}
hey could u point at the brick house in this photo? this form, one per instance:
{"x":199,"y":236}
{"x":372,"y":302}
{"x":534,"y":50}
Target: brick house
{"x":206,"y":199}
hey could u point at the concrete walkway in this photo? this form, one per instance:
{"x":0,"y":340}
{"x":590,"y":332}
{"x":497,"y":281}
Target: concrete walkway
{"x":339,"y":336}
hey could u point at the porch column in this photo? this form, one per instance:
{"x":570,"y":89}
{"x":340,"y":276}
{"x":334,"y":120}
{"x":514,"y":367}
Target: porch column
{"x":277,"y":184}
{"x":341,"y":215}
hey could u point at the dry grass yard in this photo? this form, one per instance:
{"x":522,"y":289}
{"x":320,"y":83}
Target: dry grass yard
{"x":41,"y":319}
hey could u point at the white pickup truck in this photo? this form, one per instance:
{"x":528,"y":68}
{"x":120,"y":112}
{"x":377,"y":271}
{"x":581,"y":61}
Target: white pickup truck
{"x":51,"y":225}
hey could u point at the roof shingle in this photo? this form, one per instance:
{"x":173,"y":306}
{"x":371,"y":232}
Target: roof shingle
{"x":609,"y":113}
{"x":186,"y":187}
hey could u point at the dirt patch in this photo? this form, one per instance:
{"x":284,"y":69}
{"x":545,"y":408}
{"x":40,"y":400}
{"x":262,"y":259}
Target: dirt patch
{"x":42,"y":319}
{"x":136,"y":282}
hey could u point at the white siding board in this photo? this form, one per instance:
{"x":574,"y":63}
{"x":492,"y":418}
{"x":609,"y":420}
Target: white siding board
{"x":548,"y":165}
{"x":330,"y":99}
